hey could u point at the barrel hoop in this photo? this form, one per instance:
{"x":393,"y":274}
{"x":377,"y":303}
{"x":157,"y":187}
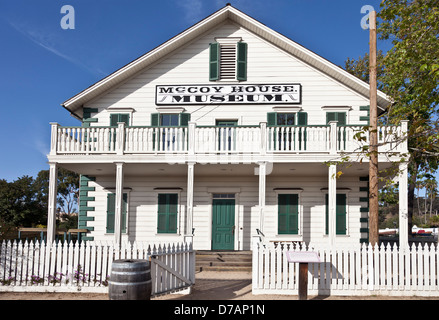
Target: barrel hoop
{"x":128,"y":283}
{"x":131,"y":272}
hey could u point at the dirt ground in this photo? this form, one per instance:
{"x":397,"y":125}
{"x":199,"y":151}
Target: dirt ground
{"x":208,"y":286}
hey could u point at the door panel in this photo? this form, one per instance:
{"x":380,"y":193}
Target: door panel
{"x":223,"y":224}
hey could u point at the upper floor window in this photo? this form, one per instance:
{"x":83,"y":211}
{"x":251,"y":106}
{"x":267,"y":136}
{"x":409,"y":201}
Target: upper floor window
{"x":170,"y":119}
{"x":340,"y":117}
{"x":287,"y":119}
{"x":228,"y":59}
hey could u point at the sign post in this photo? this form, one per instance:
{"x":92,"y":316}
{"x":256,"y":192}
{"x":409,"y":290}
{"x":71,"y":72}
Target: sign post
{"x":303,"y":259}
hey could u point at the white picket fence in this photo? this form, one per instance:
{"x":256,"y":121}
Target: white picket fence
{"x":360,"y":270}
{"x":86,"y":267}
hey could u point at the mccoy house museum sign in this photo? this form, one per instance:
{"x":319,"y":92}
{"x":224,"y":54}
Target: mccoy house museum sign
{"x":229,"y":94}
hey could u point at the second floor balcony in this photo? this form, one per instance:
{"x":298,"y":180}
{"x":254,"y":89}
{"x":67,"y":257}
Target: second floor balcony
{"x":331,"y":139}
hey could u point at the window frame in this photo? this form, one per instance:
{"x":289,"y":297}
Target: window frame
{"x":290,"y":191}
{"x":127,"y":203}
{"x":177,"y":214}
{"x":326,"y":214}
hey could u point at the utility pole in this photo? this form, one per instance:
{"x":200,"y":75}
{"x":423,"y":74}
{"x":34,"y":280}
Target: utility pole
{"x":373,"y":140}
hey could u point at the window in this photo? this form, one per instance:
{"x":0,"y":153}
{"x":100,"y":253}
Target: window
{"x":111,"y":212}
{"x":119,"y":117}
{"x":283,"y":139}
{"x":228,"y":60}
{"x":169,"y":137}
{"x":167,"y":213}
{"x":340,"y":214}
{"x":336,"y":116}
{"x":170,"y":119}
{"x":287,"y":119}
{"x":288,"y":214}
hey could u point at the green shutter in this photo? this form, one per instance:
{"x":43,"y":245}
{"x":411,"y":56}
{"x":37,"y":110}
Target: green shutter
{"x":340,"y":213}
{"x":184,"y":119}
{"x":167,"y":213}
{"x":214,"y":57}
{"x":124,"y":117}
{"x":327,"y":214}
{"x":302,"y":118}
{"x":241,"y":72}
{"x":331,"y":116}
{"x":271,"y":118}
{"x":111,"y":212}
{"x":288,"y":214}
{"x":114,"y":118}
{"x":341,"y":117}
{"x":111,"y":209}
{"x":155,"y":119}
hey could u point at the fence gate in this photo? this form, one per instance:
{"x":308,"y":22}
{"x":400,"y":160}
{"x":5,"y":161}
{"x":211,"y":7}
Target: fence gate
{"x":172,"y":269}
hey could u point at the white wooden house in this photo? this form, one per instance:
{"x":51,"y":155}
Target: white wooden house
{"x":218,"y":135}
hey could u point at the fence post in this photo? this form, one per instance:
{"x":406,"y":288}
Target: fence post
{"x":255,"y":262}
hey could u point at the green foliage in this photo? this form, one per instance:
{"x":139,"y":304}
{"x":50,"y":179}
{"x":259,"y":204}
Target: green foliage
{"x":409,"y":74}
{"x":23,"y":202}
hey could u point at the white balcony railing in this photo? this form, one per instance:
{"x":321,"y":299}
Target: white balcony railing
{"x":262,"y":139}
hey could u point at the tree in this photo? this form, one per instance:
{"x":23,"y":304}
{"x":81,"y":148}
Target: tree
{"x":68,"y":189}
{"x":21,"y":203}
{"x":409,"y":74}
{"x":411,"y":78}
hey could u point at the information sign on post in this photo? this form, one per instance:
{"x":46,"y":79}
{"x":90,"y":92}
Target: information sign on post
{"x":303,"y":258}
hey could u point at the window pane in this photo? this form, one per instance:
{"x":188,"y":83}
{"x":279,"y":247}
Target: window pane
{"x":285,"y":119}
{"x":281,"y":119}
{"x":169,"y":120}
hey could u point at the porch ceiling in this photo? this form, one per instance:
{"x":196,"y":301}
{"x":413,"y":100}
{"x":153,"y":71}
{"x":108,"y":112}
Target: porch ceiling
{"x":278,"y":169}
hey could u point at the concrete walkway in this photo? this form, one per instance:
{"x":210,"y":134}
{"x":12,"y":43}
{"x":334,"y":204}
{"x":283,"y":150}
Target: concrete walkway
{"x":209,"y":285}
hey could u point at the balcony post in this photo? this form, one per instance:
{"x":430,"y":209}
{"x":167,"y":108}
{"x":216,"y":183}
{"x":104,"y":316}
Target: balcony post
{"x":53,"y":138}
{"x":404,"y":133}
{"x":120,"y":138}
{"x":51,"y":211}
{"x":191,"y":138}
{"x":333,"y":137}
{"x":263,"y":137}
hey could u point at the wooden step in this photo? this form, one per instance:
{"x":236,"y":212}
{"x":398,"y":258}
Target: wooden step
{"x":223,"y":260}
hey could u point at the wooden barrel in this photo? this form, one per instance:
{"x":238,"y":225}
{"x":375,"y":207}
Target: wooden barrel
{"x":130,"y":280}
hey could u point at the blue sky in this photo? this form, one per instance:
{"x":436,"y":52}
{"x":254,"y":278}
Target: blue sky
{"x":42,"y":64}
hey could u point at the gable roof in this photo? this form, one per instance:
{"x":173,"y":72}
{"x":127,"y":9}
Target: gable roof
{"x":228,"y":12}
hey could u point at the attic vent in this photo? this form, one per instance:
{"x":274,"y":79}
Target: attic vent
{"x":228,"y":61}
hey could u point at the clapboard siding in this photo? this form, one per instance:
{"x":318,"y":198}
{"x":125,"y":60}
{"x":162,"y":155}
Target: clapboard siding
{"x":266,"y":64}
{"x":142,"y":213}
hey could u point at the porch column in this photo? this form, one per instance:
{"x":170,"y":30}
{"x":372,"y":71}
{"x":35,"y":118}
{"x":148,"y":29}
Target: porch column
{"x":332,"y":202}
{"x":403,"y":206}
{"x":118,"y":203}
{"x":262,"y":187}
{"x":51,"y":213}
{"x":190,"y":201}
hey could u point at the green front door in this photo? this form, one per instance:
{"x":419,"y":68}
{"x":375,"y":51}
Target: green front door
{"x":223,"y":224}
